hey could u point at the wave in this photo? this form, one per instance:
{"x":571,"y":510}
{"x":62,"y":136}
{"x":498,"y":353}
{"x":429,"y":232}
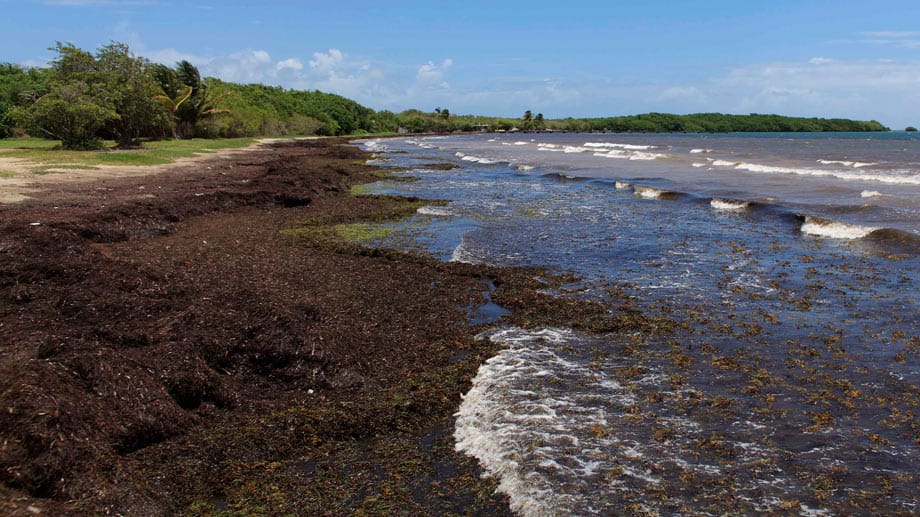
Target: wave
{"x":436,"y":211}
{"x":630,"y":147}
{"x":525,"y":168}
{"x":699,"y":151}
{"x":628,"y":155}
{"x":477,"y":159}
{"x":895,"y":241}
{"x":699,"y":164}
{"x":622,"y":185}
{"x":834,"y":229}
{"x":913,"y":179}
{"x":463,"y":253}
{"x":845,"y":163}
{"x":654,"y":193}
{"x":510,"y":407}
{"x":375,"y":146}
{"x":728,"y":204}
{"x":871,"y":193}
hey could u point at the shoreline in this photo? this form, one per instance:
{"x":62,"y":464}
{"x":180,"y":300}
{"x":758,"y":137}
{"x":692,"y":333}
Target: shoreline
{"x":170,"y":350}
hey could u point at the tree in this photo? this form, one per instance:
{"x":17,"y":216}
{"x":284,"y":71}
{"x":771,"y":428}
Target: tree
{"x":539,"y":122}
{"x":910,"y":129}
{"x":129,"y":87}
{"x":527,"y":120}
{"x":68,"y":113}
{"x":174,"y":93}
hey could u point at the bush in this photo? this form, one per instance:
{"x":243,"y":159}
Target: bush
{"x":68,"y":113}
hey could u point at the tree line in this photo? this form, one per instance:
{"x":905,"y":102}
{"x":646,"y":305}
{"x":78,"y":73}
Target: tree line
{"x":83,"y":98}
{"x":715,"y":123}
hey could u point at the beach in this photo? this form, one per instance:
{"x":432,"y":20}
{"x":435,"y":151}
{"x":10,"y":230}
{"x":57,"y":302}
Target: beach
{"x":169,"y":348}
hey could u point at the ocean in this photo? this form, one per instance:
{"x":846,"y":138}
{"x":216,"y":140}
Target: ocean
{"x":791,"y":264}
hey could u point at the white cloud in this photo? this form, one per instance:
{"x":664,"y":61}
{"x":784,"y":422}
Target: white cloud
{"x":432,"y":74}
{"x":291,"y":64}
{"x":247,"y":66}
{"x":326,"y":63}
{"x":901,"y":39}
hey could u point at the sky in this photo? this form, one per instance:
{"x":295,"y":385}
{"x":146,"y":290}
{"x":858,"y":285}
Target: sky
{"x":843,"y":58}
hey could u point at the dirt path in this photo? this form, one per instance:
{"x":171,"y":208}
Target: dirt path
{"x":167,"y":349}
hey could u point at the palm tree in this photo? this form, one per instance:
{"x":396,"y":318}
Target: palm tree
{"x":187,"y":97}
{"x":527,"y":120}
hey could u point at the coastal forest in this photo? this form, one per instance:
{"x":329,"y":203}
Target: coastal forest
{"x":83,"y":98}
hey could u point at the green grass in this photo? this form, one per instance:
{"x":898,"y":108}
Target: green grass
{"x":48,"y":152}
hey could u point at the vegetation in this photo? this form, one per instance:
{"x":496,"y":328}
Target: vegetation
{"x":713,"y":123}
{"x":910,"y":129}
{"x":158,"y":152}
{"x":83,"y":99}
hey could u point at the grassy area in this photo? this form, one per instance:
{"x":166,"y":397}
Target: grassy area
{"x":49,"y":155}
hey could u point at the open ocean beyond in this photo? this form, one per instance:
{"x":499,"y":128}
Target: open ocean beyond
{"x":791,"y":264}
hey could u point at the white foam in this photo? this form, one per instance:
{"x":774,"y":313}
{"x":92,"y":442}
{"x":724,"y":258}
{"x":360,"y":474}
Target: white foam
{"x":437,"y":211}
{"x":649,"y":192}
{"x":726,"y":204}
{"x":463,"y":253}
{"x":699,"y":164}
{"x":898,"y":179}
{"x":870,"y":193}
{"x":835,"y":230}
{"x":477,"y":159}
{"x":375,"y":146}
{"x":631,"y":147}
{"x":628,"y":155}
{"x":698,"y":151}
{"x":846,"y":163}
{"x":521,"y":143}
{"x":525,"y":168}
{"x":622,"y":185}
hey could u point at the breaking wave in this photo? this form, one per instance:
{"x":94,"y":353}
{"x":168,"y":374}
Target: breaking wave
{"x":845,"y":163}
{"x":728,"y":205}
{"x":834,"y":230}
{"x":906,"y":179}
{"x":630,"y":147}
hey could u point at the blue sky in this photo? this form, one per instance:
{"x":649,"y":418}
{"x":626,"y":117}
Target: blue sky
{"x":810,"y":58}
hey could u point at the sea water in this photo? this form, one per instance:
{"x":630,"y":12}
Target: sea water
{"x":790,"y":265}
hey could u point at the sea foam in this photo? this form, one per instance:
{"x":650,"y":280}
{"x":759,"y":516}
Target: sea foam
{"x":437,"y":211}
{"x":846,"y":163}
{"x":630,"y":147}
{"x":650,"y":193}
{"x":834,"y":229}
{"x":728,"y":205}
